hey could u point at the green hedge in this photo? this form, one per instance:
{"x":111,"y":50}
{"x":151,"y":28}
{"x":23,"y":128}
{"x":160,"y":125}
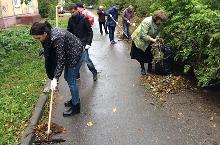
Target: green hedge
{"x":192,"y":31}
{"x":47,"y":8}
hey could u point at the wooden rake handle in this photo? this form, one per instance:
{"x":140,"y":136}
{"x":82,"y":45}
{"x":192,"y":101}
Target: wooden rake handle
{"x":50,"y":113}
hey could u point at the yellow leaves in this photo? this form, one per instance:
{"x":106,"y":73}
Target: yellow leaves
{"x":180,"y":115}
{"x":89,"y":124}
{"x":214,"y":125}
{"x":212,"y":119}
{"x":114,"y":110}
{"x":6,"y":125}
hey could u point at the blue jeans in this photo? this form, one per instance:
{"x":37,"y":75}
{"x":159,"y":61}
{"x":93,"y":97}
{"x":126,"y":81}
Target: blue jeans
{"x":70,"y":74}
{"x":111,"y":33}
{"x":89,"y":62}
{"x":126,"y":30}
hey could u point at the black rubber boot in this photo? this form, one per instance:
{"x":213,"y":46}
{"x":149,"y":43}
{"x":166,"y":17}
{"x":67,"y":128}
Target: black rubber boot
{"x":68,"y":103}
{"x":75,"y":109}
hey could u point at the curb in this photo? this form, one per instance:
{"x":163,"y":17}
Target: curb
{"x":28,"y":136}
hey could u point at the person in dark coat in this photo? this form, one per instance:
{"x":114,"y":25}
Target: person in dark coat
{"x":102,"y":20}
{"x":144,"y":36}
{"x":64,"y":51}
{"x":79,"y":25}
{"x":112,"y":22}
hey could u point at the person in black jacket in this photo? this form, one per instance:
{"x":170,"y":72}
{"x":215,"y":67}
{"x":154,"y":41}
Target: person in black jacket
{"x":61,"y":50}
{"x":79,"y":25}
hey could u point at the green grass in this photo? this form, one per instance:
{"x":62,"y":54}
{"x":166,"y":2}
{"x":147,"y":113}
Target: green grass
{"x":21,"y":81}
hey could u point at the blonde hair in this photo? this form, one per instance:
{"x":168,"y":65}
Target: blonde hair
{"x":159,"y":14}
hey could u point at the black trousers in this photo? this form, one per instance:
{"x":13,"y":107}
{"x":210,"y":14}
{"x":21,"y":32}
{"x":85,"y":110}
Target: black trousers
{"x":105,"y":27}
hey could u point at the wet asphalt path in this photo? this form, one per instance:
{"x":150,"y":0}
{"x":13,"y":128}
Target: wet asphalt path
{"x":116,"y":105}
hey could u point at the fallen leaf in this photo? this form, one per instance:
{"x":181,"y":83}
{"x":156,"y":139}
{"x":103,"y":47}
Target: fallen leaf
{"x":180,"y":114}
{"x":152,"y":103}
{"x":90,"y":124}
{"x":214,"y":125}
{"x":114,"y":110}
{"x":162,"y":100}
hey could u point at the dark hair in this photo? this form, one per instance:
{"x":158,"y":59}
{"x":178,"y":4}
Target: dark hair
{"x":73,"y":6}
{"x":38,"y":28}
{"x":79,"y":4}
{"x":159,"y":15}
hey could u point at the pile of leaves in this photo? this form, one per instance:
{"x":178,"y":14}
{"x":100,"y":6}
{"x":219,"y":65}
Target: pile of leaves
{"x":40,"y":131}
{"x":163,"y":85}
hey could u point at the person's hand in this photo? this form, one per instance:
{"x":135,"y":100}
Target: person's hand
{"x":116,"y":23}
{"x":53,"y":84}
{"x":155,"y":40}
{"x":128,"y":22}
{"x":103,"y":12}
{"x":110,"y":15}
{"x":87,"y":46}
{"x":133,"y":24}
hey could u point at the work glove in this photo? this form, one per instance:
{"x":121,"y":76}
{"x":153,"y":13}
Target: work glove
{"x":110,"y":15}
{"x":128,"y":22}
{"x":116,"y":23}
{"x":53,"y":84}
{"x":87,"y":46}
{"x":133,"y":24}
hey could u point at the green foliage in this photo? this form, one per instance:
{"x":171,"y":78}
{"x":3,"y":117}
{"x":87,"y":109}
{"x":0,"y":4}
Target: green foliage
{"x":194,"y":37}
{"x":212,"y":4}
{"x":47,"y":8}
{"x":25,"y":1}
{"x":192,"y":31}
{"x":106,"y":3}
{"x":22,"y":77}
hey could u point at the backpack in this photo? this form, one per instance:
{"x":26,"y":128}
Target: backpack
{"x":87,"y":15}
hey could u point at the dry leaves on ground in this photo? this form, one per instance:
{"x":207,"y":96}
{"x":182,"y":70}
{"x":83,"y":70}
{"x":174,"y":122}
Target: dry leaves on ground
{"x":40,"y":131}
{"x":161,"y":85}
{"x":89,"y":124}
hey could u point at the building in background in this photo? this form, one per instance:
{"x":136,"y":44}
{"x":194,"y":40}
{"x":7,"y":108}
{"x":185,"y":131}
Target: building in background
{"x":13,"y":12}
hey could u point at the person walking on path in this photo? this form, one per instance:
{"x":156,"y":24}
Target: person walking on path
{"x":81,"y":9}
{"x":144,"y":36}
{"x":102,"y":20}
{"x":68,"y":52}
{"x":79,"y":25}
{"x":127,"y":20}
{"x":112,"y":21}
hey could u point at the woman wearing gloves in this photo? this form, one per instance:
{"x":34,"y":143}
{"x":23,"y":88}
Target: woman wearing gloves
{"x":144,"y":36}
{"x":68,"y":53}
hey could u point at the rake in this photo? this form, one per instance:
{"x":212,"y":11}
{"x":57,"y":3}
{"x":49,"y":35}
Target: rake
{"x":119,"y":26}
{"x":49,"y":125}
